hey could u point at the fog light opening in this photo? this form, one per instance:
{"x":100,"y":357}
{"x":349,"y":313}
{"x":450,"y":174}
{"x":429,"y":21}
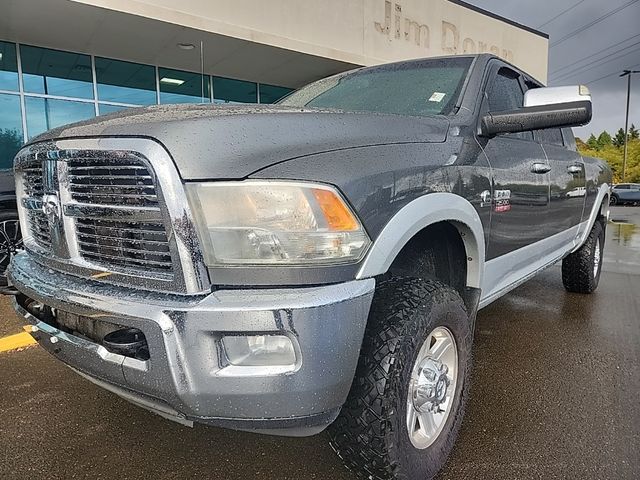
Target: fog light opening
{"x":259,"y":350}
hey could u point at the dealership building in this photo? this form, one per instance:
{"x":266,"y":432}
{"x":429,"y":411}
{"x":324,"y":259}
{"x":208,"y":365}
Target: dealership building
{"x":63,"y":61}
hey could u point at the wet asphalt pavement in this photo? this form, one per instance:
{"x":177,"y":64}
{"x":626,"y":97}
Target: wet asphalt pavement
{"x":556,"y":394}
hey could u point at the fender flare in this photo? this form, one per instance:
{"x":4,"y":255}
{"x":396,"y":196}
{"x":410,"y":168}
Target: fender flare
{"x":604,"y":192}
{"x":419,"y":214}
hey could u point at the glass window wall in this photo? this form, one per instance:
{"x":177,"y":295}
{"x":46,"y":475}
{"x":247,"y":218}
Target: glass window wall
{"x":52,"y":72}
{"x":125,"y":82}
{"x":105,"y":108}
{"x":228,"y":90}
{"x":11,"y":137}
{"x":271,"y":93}
{"x":177,"y":86}
{"x":8,"y":67}
{"x":46,"y":113}
{"x":59,"y":87}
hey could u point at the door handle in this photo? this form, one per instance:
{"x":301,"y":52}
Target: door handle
{"x":574,"y":169}
{"x":540,"y":167}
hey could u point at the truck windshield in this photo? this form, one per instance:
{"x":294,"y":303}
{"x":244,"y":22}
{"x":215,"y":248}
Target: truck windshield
{"x":418,"y":88}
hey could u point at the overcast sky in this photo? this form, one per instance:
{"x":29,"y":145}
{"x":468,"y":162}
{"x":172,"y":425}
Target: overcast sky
{"x":594,"y":56}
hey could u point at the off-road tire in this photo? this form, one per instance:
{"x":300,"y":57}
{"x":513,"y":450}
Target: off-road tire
{"x":370,"y":435}
{"x":5,"y":216}
{"x":578,"y":274}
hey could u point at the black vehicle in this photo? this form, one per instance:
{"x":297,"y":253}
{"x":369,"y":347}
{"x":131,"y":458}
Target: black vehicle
{"x":625,"y":194}
{"x":10,"y":237}
{"x":318,"y":263}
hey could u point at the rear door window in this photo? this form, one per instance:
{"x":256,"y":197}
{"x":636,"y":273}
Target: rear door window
{"x":550,"y":136}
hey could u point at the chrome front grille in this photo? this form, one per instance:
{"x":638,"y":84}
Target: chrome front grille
{"x":112,"y":181}
{"x":130,"y":245}
{"x":113,"y":212}
{"x":39,"y":228}
{"x":32,"y":178}
{"x":118,"y":181}
{"x":113,"y":209}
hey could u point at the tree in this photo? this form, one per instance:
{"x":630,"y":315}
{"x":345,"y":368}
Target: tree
{"x":634,"y":134}
{"x":604,"y":139}
{"x":618,"y":140}
{"x":10,"y":143}
{"x":613,"y":156}
{"x":592,"y":142}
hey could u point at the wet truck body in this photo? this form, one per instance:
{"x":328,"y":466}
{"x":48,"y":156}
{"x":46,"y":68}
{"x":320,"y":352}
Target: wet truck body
{"x":152,"y":269}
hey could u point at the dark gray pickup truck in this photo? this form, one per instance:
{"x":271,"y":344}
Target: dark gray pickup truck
{"x":315,"y":263}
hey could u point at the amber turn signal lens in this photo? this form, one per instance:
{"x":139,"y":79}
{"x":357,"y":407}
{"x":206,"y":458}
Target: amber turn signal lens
{"x":338,"y":216}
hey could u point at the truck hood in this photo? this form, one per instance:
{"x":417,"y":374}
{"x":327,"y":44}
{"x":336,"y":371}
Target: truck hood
{"x":232,"y":141}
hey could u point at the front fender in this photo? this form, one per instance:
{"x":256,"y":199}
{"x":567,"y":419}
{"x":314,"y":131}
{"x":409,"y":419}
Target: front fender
{"x":419,"y":214}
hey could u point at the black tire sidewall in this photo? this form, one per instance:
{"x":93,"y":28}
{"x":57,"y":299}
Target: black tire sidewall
{"x":4,"y":216}
{"x":599,"y":236}
{"x":443,"y":310}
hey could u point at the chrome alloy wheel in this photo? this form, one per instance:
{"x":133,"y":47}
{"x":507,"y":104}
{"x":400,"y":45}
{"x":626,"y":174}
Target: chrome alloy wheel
{"x":10,"y":243}
{"x":432,"y":387}
{"x":597,"y":254}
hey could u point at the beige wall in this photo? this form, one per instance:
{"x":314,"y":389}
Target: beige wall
{"x":362,"y":32}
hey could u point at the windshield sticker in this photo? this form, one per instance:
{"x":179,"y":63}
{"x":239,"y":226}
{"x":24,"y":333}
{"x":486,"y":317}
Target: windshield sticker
{"x":437,"y":97}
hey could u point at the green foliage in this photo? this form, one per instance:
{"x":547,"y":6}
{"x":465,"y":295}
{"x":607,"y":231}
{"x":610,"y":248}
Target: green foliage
{"x":592,"y":142}
{"x":612,"y":151}
{"x":618,"y":140}
{"x":10,"y":143}
{"x":604,"y":139}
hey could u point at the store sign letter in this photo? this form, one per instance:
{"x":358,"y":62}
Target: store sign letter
{"x":398,"y":26}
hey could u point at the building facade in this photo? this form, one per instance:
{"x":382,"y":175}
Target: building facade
{"x":68,"y":60}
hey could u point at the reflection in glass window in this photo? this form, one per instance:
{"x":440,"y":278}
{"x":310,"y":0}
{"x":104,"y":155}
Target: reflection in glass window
{"x":53,"y":72}
{"x":271,"y":93}
{"x":125,"y":82}
{"x":238,"y":91}
{"x":45,"y":113}
{"x":10,"y":129}
{"x":177,"y":86}
{"x":103,"y":109}
{"x":8,"y":67}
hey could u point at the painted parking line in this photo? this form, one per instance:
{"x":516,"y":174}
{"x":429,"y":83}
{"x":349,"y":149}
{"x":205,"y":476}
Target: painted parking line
{"x":19,"y":340}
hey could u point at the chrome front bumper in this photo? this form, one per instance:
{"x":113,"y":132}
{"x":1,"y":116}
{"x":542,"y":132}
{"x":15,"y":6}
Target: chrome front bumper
{"x":184,"y":378}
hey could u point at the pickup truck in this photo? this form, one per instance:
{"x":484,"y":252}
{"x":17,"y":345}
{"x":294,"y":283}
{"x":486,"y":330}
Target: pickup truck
{"x":317,"y":263}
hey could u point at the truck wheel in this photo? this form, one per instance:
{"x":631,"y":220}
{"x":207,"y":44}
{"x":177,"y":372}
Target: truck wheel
{"x":10,"y":242}
{"x":581,"y":269}
{"x":407,"y":400}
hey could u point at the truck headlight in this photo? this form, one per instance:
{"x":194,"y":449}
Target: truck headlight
{"x":275,"y":223}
